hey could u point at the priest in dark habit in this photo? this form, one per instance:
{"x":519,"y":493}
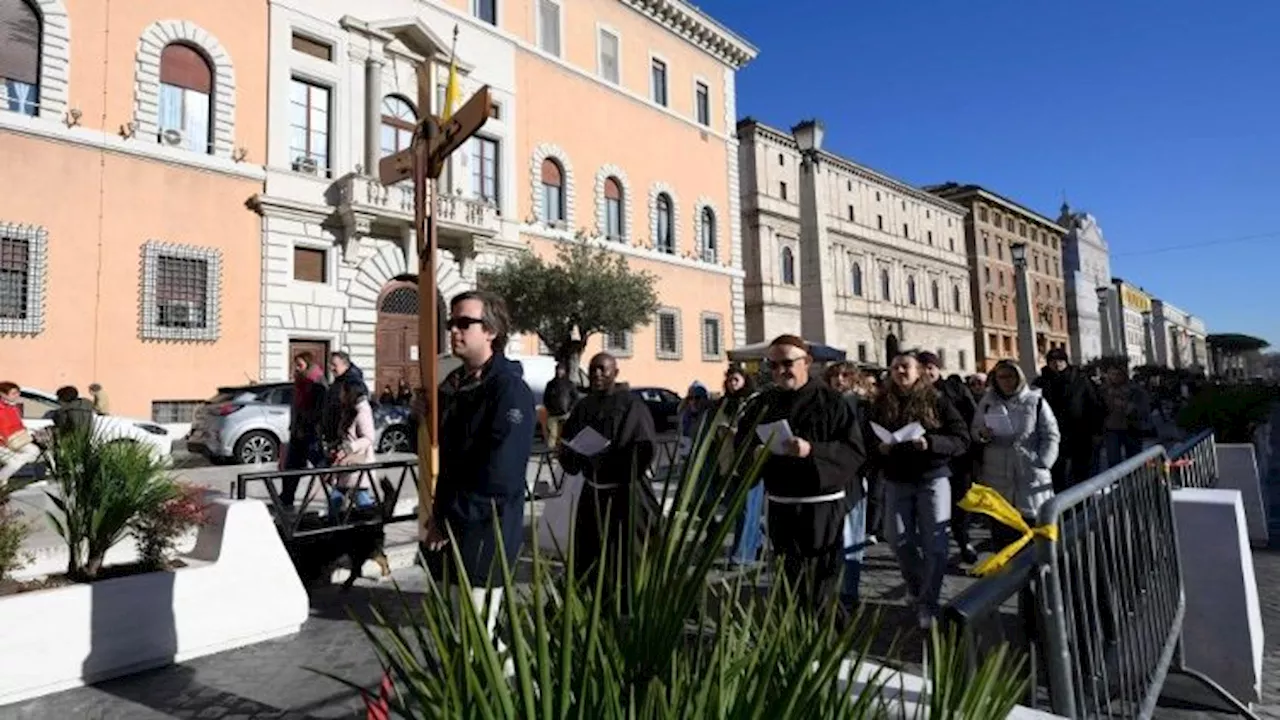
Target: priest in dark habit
{"x":616,"y":479}
{"x":813,"y":480}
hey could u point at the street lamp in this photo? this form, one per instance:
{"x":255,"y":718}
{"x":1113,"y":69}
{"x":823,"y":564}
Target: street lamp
{"x":808,"y":135}
{"x":817,"y":271}
{"x":1018,"y":251}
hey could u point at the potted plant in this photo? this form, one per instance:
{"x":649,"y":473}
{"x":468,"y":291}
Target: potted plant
{"x":14,"y":530}
{"x":683,"y":647}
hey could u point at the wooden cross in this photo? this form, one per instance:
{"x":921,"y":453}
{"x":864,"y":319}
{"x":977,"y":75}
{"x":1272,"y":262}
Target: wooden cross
{"x":433,"y":143}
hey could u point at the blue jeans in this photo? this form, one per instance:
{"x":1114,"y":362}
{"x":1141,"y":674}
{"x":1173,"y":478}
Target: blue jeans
{"x":855,"y":548}
{"x":1121,"y":445}
{"x":918,"y":516}
{"x":748,"y":532}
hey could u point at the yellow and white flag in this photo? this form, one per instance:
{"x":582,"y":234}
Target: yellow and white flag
{"x":452,"y":90}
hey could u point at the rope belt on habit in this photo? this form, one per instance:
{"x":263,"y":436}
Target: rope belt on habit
{"x":605,"y":486}
{"x":782,"y":500}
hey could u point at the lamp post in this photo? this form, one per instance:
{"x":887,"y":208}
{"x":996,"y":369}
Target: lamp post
{"x":817,"y":286}
{"x":1104,"y":319}
{"x":1026,"y":323}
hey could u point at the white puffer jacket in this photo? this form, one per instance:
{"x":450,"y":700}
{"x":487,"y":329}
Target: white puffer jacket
{"x":1018,"y":465}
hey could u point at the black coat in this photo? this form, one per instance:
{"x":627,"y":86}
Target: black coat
{"x":559,"y":396}
{"x":486,"y":437}
{"x":1076,"y":403}
{"x":821,"y":416}
{"x":909,"y":464}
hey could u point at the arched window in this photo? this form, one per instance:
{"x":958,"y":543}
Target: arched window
{"x":666,"y":240}
{"x":707,"y":241}
{"x":936,"y":295}
{"x":186,"y":85}
{"x":955,"y":298}
{"x":856,"y":280}
{"x":398,"y":121}
{"x":552,"y":192}
{"x":911,"y":289}
{"x":613,"y":209}
{"x":20,"y":35}
{"x":884,"y":285}
{"x":788,"y":267}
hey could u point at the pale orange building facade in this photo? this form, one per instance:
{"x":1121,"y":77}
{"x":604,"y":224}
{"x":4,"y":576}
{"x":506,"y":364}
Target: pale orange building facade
{"x":131,"y":136}
{"x":628,"y":130}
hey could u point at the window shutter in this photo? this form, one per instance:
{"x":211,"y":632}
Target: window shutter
{"x":20,"y":47}
{"x":550,"y":173}
{"x":183,"y":66}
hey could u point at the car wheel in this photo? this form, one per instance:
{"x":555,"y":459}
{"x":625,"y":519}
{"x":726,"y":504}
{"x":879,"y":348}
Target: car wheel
{"x":395,"y":439}
{"x":257,"y":448}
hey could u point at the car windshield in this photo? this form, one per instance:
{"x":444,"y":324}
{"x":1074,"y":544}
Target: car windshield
{"x":226,"y":395}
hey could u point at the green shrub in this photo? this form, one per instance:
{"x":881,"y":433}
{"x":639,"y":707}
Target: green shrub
{"x":103,"y":489}
{"x":684,"y":647}
{"x":14,"y":530}
{"x":1231,"y":411}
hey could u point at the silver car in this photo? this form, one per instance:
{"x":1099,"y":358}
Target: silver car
{"x":249,"y":425}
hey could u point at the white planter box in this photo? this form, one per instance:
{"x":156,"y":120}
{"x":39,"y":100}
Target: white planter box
{"x":239,"y":588}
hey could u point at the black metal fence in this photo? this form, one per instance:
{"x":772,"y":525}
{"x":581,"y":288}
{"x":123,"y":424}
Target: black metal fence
{"x":329,"y":499}
{"x":1103,"y":603}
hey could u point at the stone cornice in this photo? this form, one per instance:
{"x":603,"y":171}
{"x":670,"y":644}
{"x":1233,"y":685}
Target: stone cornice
{"x":967,"y":192}
{"x":698,"y":28}
{"x":779,"y":137}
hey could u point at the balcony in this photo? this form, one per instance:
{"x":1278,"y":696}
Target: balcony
{"x":363,"y":202}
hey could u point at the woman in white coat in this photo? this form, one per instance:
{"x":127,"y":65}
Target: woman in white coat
{"x":357,"y":448}
{"x":1021,"y":440}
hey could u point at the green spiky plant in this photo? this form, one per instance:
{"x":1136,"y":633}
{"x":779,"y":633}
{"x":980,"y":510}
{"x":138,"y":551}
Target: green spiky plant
{"x":102,"y":490}
{"x":686,"y":645}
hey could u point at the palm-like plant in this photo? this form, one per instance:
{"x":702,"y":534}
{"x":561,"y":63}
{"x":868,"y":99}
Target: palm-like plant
{"x":669,"y":644}
{"x":102,"y":488}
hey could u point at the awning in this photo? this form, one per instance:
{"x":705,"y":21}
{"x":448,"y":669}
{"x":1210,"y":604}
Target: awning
{"x":758,"y":351}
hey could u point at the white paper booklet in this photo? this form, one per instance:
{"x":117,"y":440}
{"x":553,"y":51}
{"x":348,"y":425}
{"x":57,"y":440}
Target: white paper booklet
{"x":776,"y":434}
{"x":906,"y":433}
{"x":588,"y":443}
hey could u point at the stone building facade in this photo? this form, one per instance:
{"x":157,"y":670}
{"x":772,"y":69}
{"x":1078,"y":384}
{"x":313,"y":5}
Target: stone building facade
{"x":1130,"y":315}
{"x":574,"y":86}
{"x":848,"y":256}
{"x":993,"y":225}
{"x":1086,"y":267}
{"x":1178,"y":337}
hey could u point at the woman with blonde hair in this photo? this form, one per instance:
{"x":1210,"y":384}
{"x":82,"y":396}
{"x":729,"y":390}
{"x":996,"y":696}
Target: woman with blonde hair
{"x":917,"y":471}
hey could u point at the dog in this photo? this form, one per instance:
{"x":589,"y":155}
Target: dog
{"x":316,"y":556}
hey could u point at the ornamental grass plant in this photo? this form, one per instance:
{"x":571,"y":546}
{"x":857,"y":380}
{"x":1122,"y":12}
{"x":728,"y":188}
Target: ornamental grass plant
{"x":672,"y":641}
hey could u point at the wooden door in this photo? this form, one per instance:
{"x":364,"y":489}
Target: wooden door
{"x":319,"y":350}
{"x":396,"y":350}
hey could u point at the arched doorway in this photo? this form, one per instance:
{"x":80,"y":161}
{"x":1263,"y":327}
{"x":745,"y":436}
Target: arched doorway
{"x":890,"y":349}
{"x":396,"y":351}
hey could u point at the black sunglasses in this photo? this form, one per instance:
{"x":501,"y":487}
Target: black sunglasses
{"x":464,"y":323}
{"x":785,"y":363}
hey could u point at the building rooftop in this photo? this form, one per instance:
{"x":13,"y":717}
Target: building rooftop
{"x":954,"y":190}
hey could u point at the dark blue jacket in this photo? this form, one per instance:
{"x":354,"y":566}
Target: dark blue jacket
{"x":486,"y":437}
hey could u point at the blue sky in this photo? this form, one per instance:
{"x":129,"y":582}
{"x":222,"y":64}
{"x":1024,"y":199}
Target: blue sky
{"x":1163,"y":124}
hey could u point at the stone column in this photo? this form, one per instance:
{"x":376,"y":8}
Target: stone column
{"x":817,"y":296}
{"x":1027,"y":358}
{"x":1148,"y":344}
{"x":1104,"y":323}
{"x":372,"y":114}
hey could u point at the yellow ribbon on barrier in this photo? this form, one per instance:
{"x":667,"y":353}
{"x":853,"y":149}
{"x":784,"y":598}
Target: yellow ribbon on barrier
{"x":985,"y":500}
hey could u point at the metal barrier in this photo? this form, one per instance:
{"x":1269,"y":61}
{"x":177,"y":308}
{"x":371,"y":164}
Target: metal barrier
{"x":384,"y":481}
{"x":1194,"y":462}
{"x":1108,"y":592}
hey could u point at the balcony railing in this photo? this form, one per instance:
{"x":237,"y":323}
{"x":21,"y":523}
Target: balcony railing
{"x":361,"y":194}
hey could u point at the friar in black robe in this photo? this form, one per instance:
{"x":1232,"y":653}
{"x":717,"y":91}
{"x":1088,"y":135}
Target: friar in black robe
{"x":616,"y":479}
{"x":813,"y":480}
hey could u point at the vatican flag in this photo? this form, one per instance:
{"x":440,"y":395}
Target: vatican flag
{"x":452,"y":91}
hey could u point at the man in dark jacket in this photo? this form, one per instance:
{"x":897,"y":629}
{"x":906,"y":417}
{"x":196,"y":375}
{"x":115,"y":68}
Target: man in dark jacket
{"x":559,"y":397}
{"x":344,"y":372}
{"x":74,"y":413}
{"x":487,"y":419}
{"x":615,"y":475}
{"x":811,"y":479}
{"x":962,"y":466}
{"x":1077,"y":405}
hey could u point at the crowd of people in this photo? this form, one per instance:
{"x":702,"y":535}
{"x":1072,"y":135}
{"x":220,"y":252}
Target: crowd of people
{"x":19,"y":446}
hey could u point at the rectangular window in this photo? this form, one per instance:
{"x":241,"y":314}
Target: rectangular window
{"x":618,"y":343}
{"x":1022,"y":229}
{"x":309,"y":264}
{"x":549,"y":26}
{"x":485,"y":163}
{"x":862,"y":352}
{"x":906,"y":230}
{"x":486,"y":10}
{"x":658,"y":82}
{"x":668,"y":334}
{"x":609,"y":52}
{"x":964,"y":360}
{"x":982,"y":214}
{"x":186,"y":112}
{"x":613,"y":218}
{"x":782,"y":190}
{"x":315,"y":48}
{"x":15,"y":277}
{"x":174,"y":411}
{"x":879,"y":222}
{"x":942,"y":357}
{"x":712,"y":340}
{"x":309,"y":127}
{"x":180,"y":292}
{"x":702,"y":103}
{"x":552,"y":208}
{"x":992,"y":343}
{"x":850,"y":213}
